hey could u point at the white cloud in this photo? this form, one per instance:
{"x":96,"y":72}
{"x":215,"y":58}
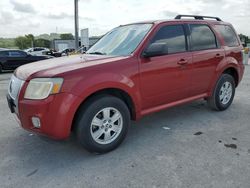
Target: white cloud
{"x":22,"y":7}
{"x":19,"y":17}
{"x":62,"y":15}
{"x":6,"y":18}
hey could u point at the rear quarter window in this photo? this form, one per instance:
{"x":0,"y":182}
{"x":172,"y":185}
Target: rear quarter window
{"x":228,"y":35}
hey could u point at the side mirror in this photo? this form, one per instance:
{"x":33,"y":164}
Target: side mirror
{"x":156,"y":49}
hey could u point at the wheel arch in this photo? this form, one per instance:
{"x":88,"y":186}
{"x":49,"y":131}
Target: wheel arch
{"x":230,"y":66}
{"x":234,"y":73}
{"x":116,"y":92}
{"x":225,"y":67}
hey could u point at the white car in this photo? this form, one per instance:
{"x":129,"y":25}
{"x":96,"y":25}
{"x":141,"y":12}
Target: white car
{"x":37,"y":51}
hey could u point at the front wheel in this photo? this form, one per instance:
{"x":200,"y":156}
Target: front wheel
{"x":102,"y":123}
{"x":223,"y":93}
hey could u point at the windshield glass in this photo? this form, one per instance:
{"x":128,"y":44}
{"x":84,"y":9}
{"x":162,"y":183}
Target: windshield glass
{"x":122,"y":40}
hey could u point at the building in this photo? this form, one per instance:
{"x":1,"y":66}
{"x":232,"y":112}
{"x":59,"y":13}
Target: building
{"x":93,"y":40}
{"x":59,"y":44}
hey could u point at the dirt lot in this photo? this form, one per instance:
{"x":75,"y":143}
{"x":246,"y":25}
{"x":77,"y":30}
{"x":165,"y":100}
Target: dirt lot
{"x":186,"y":146}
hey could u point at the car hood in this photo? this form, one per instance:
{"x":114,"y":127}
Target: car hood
{"x":54,"y":66}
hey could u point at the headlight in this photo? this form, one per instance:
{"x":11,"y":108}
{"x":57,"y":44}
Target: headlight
{"x":41,"y":88}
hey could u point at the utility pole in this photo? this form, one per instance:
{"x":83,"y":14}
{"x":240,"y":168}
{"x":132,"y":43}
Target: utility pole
{"x":76,"y":25}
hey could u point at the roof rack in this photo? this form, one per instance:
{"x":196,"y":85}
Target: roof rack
{"x":197,"y":17}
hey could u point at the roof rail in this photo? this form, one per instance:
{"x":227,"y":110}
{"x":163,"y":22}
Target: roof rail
{"x":197,"y":17}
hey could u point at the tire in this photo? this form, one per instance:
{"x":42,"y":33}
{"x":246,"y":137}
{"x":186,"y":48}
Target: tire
{"x":1,"y":69}
{"x":223,"y":93}
{"x":97,"y":129}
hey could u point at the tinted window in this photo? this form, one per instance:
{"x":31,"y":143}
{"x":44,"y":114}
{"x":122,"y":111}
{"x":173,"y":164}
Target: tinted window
{"x":202,"y":37}
{"x":173,"y":36}
{"x":38,"y":49}
{"x":228,"y":35}
{"x":4,"y":53}
{"x":17,"y":54}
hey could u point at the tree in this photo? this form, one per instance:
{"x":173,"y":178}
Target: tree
{"x":67,"y":36}
{"x":42,"y":43}
{"x":244,"y":39}
{"x":7,"y":43}
{"x":22,"y":42}
{"x":31,"y":38}
{"x":26,"y":41}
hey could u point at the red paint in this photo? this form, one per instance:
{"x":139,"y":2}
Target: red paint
{"x":152,"y":83}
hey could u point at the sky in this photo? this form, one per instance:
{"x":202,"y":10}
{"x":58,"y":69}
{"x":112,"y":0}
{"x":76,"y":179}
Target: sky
{"x":20,"y":17}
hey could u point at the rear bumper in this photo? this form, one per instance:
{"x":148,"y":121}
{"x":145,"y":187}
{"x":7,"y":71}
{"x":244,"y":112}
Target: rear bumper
{"x":56,"y":114}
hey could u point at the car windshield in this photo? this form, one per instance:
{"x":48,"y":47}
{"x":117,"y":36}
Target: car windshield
{"x":122,"y":40}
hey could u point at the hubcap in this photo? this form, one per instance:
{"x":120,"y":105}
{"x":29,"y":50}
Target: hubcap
{"x":226,"y":92}
{"x":106,"y":125}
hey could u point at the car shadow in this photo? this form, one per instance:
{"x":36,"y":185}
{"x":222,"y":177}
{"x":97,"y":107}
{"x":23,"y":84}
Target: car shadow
{"x":153,"y":121}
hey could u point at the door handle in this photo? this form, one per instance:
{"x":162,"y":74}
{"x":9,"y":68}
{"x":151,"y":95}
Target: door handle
{"x":182,"y":62}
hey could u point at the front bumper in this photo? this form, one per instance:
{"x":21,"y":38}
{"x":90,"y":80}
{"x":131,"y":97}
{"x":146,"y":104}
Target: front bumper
{"x":56,"y":114}
{"x":11,"y":103}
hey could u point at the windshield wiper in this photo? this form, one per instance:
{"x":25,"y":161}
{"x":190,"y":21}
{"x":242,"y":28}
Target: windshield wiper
{"x":97,"y":53}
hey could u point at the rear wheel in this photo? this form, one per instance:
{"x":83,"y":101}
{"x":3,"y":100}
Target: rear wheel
{"x":223,"y":93}
{"x":102,"y":124}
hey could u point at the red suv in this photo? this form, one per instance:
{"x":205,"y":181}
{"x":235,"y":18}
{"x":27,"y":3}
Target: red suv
{"x":134,"y":70}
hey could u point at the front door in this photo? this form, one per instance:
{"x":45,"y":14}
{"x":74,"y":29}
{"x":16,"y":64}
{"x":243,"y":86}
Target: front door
{"x":166,"y":78}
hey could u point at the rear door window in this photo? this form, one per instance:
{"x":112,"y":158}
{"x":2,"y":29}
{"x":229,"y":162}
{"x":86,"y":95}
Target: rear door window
{"x":228,"y":34}
{"x":202,"y":37}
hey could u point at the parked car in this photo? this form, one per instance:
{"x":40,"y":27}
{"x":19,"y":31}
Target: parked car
{"x":64,"y":52}
{"x":132,"y":71}
{"x":37,"y":51}
{"x":11,"y":59}
{"x":3,"y":49}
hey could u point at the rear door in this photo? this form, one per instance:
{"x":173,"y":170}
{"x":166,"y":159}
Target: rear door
{"x":166,"y":78}
{"x":207,"y":54}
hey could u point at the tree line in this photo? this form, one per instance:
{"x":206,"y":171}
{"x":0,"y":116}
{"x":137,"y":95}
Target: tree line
{"x":28,"y":41}
{"x":244,"y":39}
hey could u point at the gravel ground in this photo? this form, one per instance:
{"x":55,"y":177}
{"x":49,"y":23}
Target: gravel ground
{"x":186,"y":146}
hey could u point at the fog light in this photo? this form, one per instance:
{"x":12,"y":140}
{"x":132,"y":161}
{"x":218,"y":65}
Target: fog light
{"x":36,"y":122}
